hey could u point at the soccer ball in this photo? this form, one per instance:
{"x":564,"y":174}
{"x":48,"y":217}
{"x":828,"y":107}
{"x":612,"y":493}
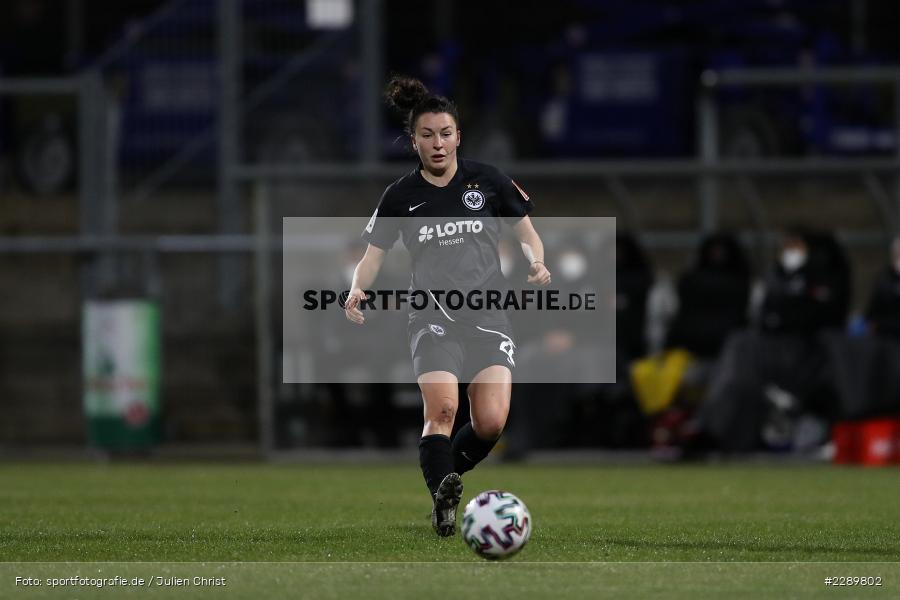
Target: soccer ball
{"x":496,"y":524}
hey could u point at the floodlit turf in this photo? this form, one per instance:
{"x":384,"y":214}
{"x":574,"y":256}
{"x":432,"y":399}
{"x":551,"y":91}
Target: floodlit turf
{"x":378,"y":514}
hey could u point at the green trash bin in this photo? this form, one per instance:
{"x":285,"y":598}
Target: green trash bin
{"x":122,"y":373}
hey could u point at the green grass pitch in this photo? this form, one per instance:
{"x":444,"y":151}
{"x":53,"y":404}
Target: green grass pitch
{"x":343,"y":531}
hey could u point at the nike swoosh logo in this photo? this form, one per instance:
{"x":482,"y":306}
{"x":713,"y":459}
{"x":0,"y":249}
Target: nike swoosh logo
{"x":412,"y":208}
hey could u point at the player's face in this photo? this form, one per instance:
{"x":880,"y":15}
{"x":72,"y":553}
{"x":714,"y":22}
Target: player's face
{"x":436,"y":140}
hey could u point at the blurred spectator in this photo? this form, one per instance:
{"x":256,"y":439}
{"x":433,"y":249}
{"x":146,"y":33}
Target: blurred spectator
{"x":712,"y":297}
{"x":809,"y":290}
{"x":883,"y":312}
{"x":770,"y":382}
{"x":830,"y":259}
{"x":634,"y":278}
{"x":618,"y":418}
{"x":866,"y":369}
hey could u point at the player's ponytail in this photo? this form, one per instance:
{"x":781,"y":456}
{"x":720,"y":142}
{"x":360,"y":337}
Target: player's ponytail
{"x":409,"y":98}
{"x":404,"y":93}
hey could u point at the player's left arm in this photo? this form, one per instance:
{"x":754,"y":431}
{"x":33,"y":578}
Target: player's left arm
{"x":533,"y":248}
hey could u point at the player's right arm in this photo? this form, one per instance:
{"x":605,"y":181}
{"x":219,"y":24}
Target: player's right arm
{"x":363,"y":278}
{"x":381,"y":232}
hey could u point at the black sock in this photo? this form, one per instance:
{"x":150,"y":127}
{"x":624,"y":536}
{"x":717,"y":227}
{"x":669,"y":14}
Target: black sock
{"x":436,"y":459}
{"x":469,"y":449}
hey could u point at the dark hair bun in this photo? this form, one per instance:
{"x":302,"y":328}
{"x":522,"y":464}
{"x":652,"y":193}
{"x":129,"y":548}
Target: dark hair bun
{"x":404,"y":93}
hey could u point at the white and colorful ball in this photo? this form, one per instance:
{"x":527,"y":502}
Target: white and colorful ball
{"x":496,"y":524}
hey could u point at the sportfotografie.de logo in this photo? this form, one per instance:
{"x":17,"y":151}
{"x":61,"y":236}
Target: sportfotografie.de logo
{"x":475,"y":300}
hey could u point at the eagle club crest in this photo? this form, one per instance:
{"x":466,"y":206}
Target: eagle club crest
{"x":473,"y":198}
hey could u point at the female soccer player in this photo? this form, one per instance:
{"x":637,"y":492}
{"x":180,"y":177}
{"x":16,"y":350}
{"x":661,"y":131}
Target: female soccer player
{"x":447,"y":193}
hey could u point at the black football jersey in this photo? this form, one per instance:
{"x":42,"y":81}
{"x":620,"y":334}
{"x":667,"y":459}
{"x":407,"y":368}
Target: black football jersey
{"x":451,"y":232}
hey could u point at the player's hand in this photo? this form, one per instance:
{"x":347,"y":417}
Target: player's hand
{"x":539,"y":276}
{"x":351,"y":306}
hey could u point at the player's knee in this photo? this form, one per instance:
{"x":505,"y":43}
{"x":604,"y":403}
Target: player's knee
{"x":489,"y":428}
{"x":444,"y":413}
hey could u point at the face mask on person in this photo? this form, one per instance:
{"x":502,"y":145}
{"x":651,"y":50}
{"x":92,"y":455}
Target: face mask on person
{"x":792,"y":259}
{"x":572,"y":266}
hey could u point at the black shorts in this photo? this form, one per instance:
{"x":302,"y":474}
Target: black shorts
{"x":461,"y":349}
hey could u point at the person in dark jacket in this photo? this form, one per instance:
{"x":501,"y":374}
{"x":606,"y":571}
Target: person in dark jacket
{"x":634,"y":278}
{"x":809,"y":289}
{"x":866,"y":368}
{"x":883,"y":312}
{"x":712,"y":297}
